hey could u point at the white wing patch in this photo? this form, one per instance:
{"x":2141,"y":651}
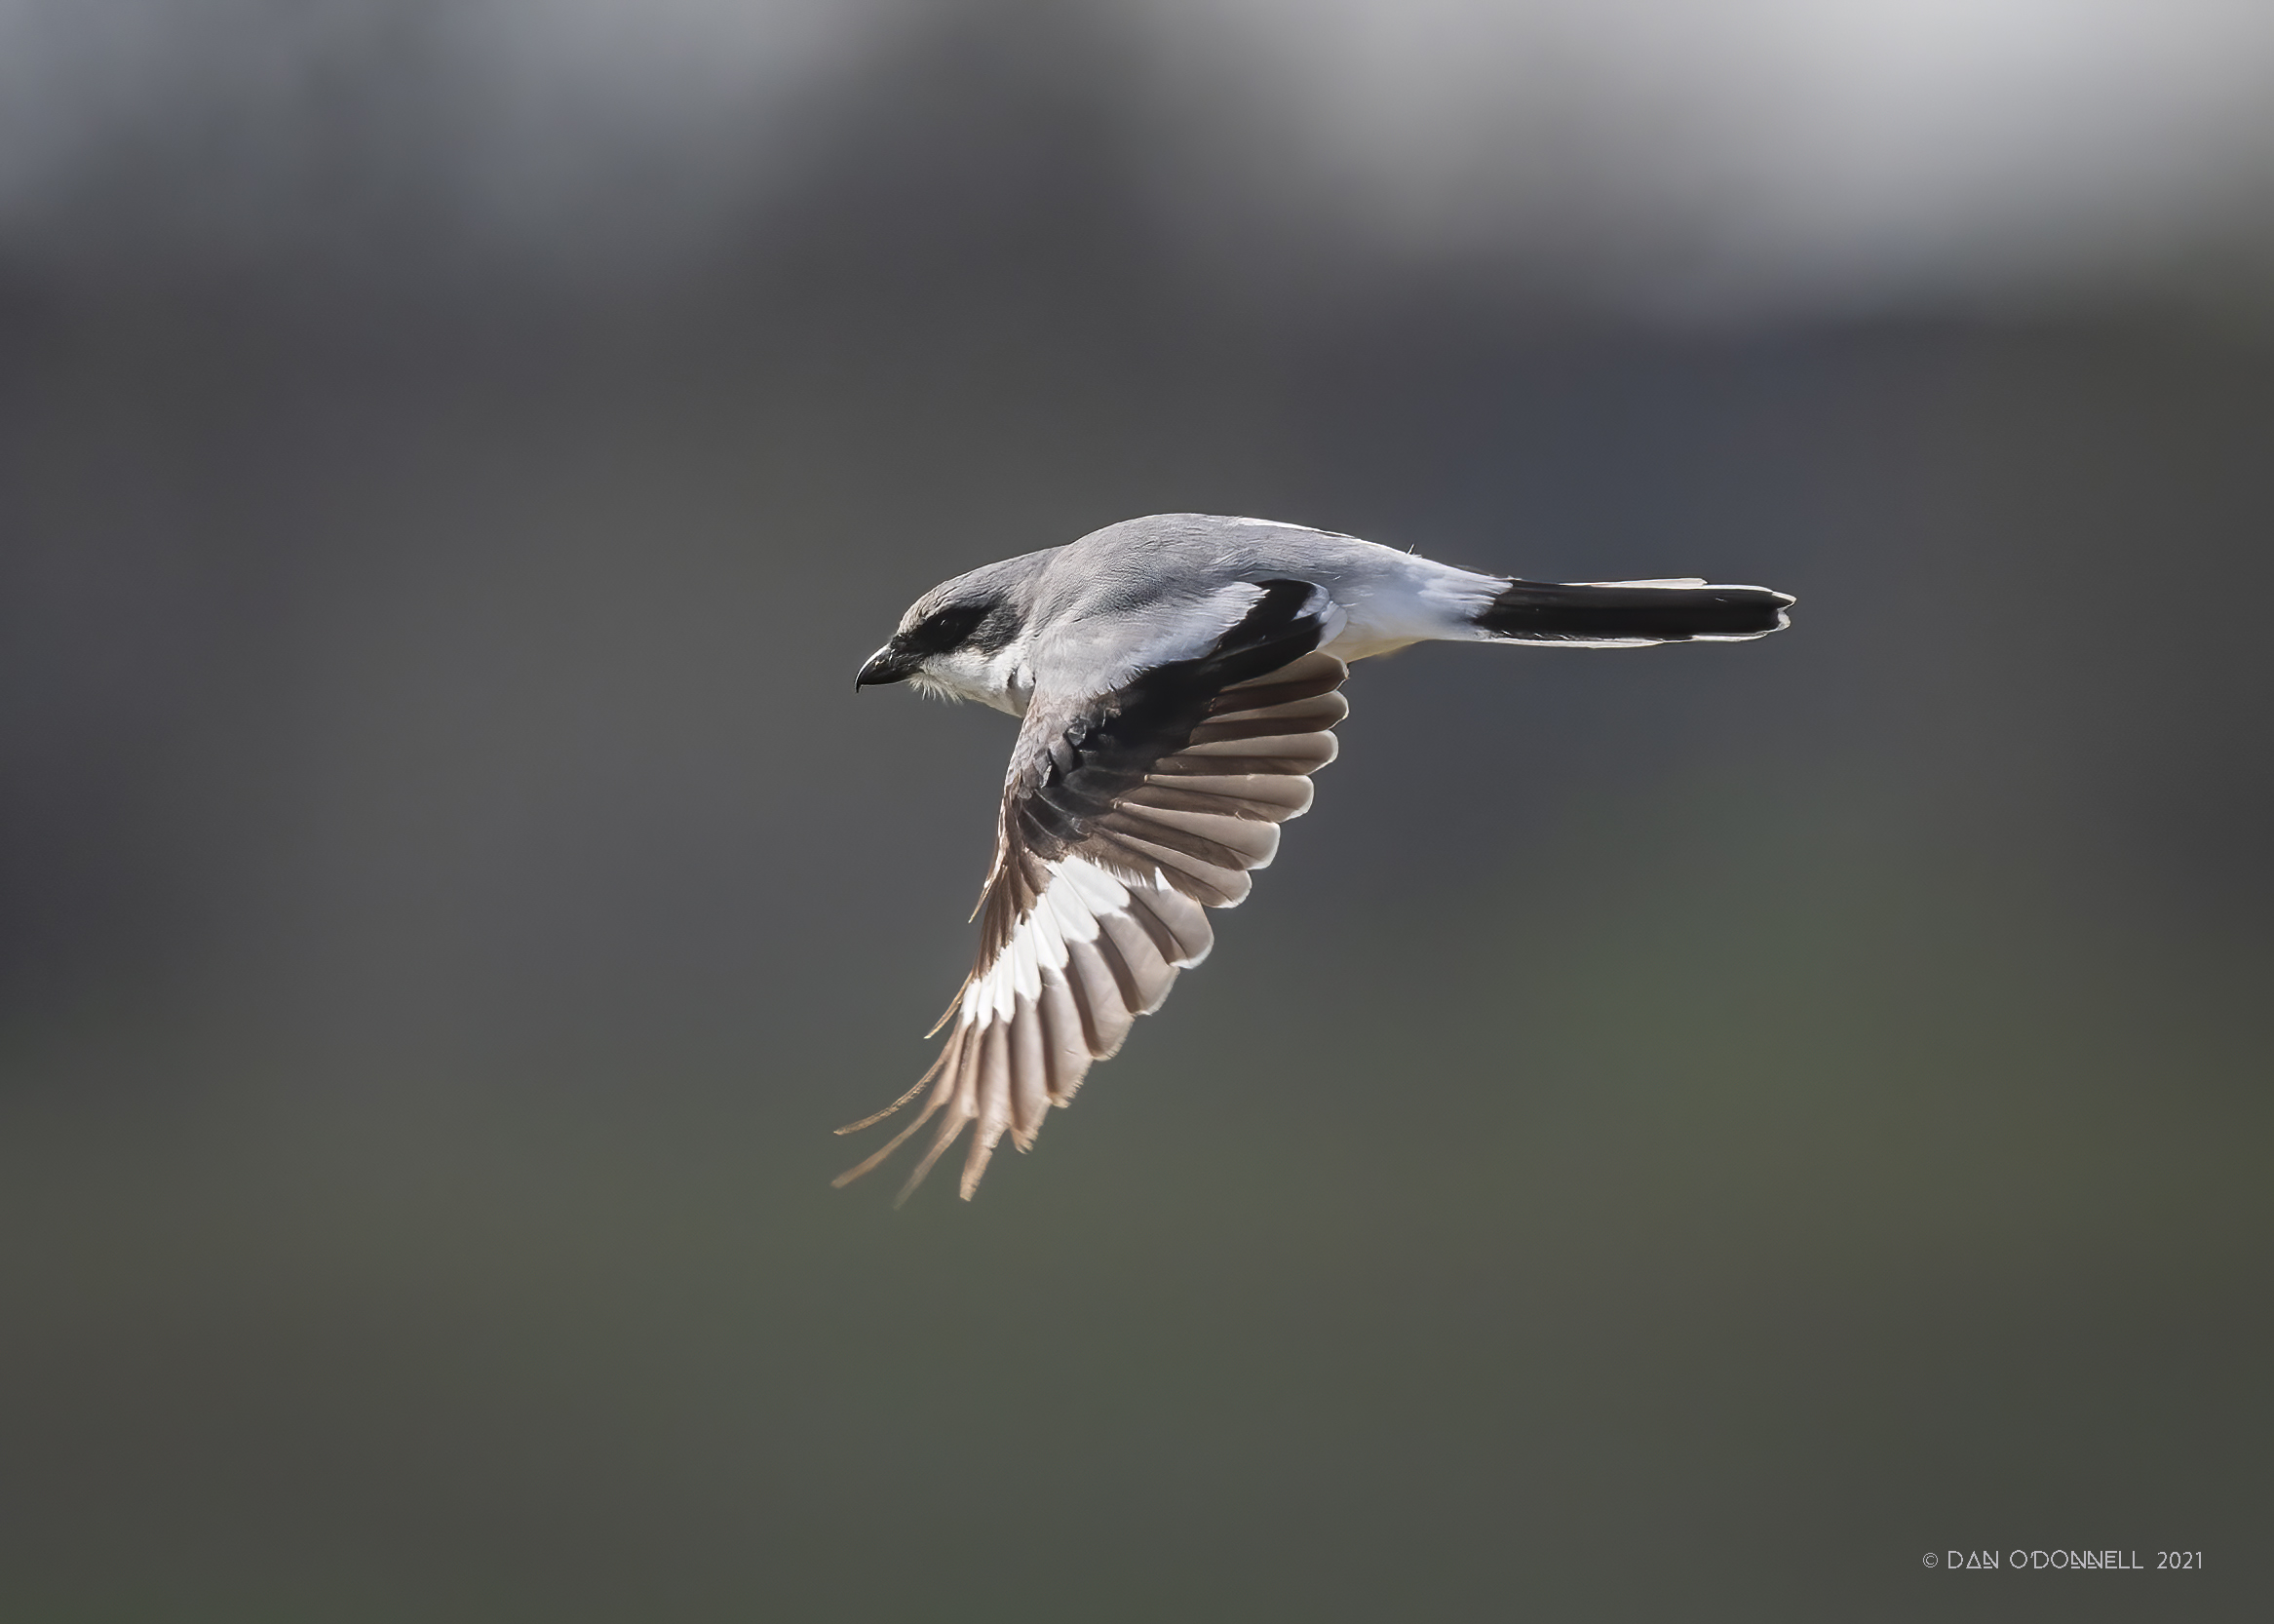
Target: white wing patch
{"x":1097,"y":950}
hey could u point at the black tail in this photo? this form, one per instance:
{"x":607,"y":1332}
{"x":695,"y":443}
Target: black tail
{"x":1621,"y":613}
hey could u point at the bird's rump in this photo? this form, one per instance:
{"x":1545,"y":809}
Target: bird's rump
{"x":1124,"y":816}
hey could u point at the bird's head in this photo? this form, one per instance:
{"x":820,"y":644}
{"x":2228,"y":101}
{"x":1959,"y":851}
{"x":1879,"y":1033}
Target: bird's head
{"x":953,"y":641}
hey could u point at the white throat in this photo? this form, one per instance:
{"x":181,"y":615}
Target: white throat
{"x":1002,"y":680}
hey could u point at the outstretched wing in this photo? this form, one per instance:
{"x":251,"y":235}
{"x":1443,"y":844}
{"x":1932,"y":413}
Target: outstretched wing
{"x":1124,"y":817}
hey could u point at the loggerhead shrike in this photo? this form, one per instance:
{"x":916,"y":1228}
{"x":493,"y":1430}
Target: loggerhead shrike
{"x":1176,"y":677}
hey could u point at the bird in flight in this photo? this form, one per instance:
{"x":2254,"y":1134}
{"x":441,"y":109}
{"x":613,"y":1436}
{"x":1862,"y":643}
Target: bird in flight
{"x":1177,"y":681}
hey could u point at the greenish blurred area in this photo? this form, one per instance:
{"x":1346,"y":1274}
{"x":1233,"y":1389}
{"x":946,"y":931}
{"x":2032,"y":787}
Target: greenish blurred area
{"x":1677,"y":1134}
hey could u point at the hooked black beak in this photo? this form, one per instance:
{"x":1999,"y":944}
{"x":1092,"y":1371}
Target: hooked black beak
{"x":890,"y":664}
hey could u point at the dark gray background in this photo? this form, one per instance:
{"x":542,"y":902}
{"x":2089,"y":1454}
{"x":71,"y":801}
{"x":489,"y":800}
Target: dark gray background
{"x":1676,"y":1134}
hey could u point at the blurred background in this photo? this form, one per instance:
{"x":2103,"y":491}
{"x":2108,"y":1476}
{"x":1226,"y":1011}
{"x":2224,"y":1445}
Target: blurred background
{"x":1678,"y":1134}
